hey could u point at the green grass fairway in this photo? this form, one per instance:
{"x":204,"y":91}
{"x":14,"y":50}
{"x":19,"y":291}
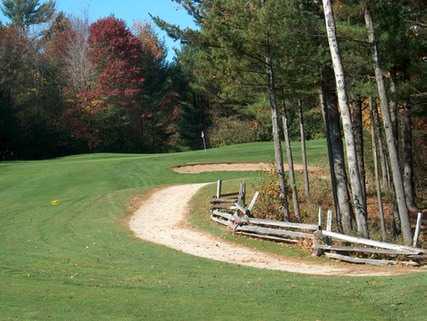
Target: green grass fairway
{"x":78,"y":261}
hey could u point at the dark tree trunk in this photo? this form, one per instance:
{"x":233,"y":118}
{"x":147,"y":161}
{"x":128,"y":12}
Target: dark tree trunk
{"x":375,"y":139}
{"x":291,"y":170}
{"x":304,"y":150}
{"x":382,"y":152}
{"x":394,"y":112}
{"x":276,"y":135}
{"x":385,"y":167}
{"x":408,"y":167}
{"x":331,"y":117}
{"x":358,"y":139}
{"x":330,"y":160}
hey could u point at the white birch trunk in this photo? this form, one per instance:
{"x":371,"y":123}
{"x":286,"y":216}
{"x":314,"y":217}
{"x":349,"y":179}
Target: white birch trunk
{"x":353,"y":168}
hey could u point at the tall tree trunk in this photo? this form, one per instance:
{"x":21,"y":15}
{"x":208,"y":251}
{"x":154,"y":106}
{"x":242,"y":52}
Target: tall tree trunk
{"x":376,"y":171}
{"x":394,"y":111}
{"x":355,"y":178}
{"x":276,"y":136}
{"x":304,"y":150}
{"x":385,"y":168}
{"x":382,"y":152}
{"x":291,"y":170}
{"x":408,"y":169}
{"x":358,"y":139}
{"x":384,"y":162}
{"x":331,"y":116}
{"x":385,"y":165}
{"x":392,"y":150}
{"x":331,"y":162}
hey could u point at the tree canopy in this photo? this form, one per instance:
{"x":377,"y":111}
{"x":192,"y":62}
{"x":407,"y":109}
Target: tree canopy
{"x":25,"y":13}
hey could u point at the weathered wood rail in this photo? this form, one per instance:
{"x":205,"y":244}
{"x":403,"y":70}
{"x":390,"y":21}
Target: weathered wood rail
{"x":231,"y":211}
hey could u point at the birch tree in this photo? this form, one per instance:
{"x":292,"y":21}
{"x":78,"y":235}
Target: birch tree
{"x":353,"y":168}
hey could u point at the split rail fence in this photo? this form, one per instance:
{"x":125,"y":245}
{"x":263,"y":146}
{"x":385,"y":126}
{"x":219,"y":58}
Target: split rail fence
{"x":230,"y":210}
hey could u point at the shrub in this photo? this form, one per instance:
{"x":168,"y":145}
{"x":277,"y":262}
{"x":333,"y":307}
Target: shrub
{"x":268,"y":205}
{"x":228,"y":131}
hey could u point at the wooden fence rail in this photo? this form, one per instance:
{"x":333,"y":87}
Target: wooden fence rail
{"x":230,"y":210}
{"x":368,"y":242}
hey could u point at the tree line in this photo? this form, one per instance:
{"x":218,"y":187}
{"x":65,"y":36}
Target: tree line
{"x":359,"y":64}
{"x":68,"y":85}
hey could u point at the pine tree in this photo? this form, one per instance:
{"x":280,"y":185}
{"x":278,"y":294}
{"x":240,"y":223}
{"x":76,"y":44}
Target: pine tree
{"x":25,"y":13}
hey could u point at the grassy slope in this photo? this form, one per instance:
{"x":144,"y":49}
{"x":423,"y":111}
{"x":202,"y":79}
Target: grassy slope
{"x":78,"y":262}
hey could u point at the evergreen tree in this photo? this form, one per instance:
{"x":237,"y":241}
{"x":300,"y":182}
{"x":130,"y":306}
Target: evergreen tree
{"x":25,"y":13}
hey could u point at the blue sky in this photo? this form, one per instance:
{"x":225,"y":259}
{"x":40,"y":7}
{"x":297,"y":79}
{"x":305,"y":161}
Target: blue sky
{"x":131,"y":11}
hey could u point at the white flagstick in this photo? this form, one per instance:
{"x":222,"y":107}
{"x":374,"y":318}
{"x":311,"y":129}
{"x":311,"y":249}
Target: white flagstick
{"x":204,"y":140}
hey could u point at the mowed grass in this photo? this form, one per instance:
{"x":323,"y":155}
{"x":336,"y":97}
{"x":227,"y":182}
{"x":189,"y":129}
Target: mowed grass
{"x":78,"y":261}
{"x":200,"y":205}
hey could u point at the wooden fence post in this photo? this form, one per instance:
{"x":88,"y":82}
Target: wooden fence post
{"x":329,"y":221}
{"x":252,"y":203}
{"x":320,"y":218}
{"x":218,"y":188}
{"x":417,"y":229}
{"x":317,"y":242}
{"x":329,"y":217}
{"x":242,"y":194}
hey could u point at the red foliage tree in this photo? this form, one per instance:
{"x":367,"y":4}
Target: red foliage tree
{"x":116,"y":54}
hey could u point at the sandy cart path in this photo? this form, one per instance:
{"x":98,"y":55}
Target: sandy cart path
{"x":161,"y":220}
